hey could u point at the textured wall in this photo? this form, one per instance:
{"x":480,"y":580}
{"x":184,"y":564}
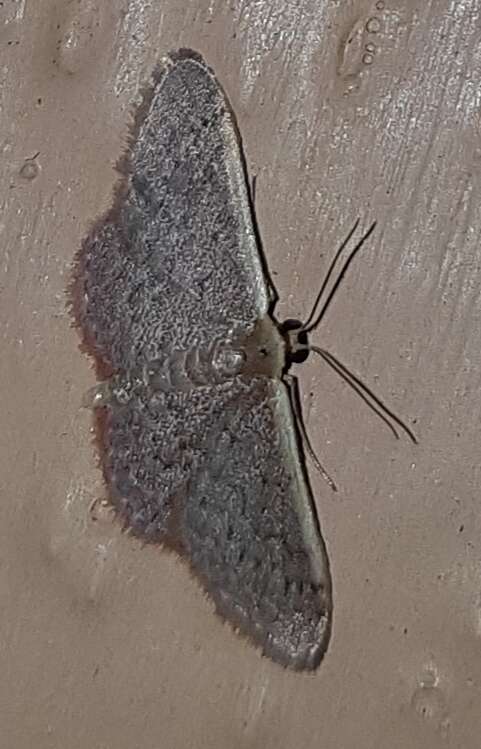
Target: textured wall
{"x":346,"y":109}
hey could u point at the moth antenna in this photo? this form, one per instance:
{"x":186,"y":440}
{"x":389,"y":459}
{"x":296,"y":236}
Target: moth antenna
{"x":294,"y":397}
{"x":329,"y":274}
{"x":308,"y":326}
{"x":365,"y":393}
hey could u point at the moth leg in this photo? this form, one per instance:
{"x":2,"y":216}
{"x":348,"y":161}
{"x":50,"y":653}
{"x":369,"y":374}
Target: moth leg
{"x":295,"y":399}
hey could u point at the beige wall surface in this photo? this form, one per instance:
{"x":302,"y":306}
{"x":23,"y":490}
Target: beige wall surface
{"x":346,"y":109}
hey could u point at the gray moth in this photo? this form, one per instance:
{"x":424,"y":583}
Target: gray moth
{"x":198,"y":443}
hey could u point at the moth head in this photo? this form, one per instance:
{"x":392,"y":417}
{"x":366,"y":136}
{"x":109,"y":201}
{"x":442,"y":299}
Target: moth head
{"x":297,"y":341}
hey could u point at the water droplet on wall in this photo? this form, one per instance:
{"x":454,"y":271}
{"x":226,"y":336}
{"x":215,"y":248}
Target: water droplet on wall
{"x":428,"y":700}
{"x":29,"y":170}
{"x":428,"y":703}
{"x":373,"y":26}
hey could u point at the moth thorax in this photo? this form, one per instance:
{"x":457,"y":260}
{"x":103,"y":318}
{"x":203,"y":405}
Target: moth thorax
{"x":264,"y":350}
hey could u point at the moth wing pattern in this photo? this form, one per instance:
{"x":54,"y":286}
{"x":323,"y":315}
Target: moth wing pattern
{"x":215,"y":474}
{"x":179,"y":240}
{"x":250,"y":529}
{"x":151,"y":444}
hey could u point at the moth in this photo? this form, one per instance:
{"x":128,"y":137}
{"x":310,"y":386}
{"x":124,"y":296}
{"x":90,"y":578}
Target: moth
{"x":196,"y":414}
